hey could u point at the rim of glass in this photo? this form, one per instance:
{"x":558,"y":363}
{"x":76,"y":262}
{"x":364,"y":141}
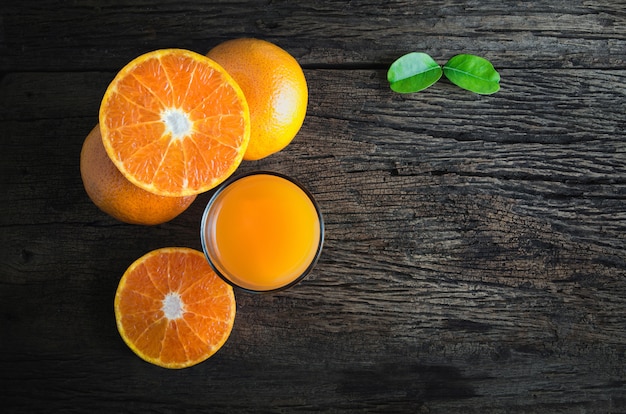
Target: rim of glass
{"x":214,"y":197}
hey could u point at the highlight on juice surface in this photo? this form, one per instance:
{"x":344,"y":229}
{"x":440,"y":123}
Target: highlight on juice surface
{"x":262,"y":231}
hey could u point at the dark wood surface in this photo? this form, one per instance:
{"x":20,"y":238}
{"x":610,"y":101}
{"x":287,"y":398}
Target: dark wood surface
{"x":475,"y":256}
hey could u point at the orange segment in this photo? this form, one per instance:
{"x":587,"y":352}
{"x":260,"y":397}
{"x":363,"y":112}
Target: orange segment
{"x":172,"y":310}
{"x":174,"y":122}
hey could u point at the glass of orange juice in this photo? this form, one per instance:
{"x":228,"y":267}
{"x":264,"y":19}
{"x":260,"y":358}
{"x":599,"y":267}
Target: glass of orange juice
{"x":262,"y":231}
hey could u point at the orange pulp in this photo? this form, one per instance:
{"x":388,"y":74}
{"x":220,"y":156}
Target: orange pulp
{"x":262,"y":232}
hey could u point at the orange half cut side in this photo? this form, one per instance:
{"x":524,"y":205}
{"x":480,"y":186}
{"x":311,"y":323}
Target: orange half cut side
{"x":172,"y":310}
{"x":174,"y":122}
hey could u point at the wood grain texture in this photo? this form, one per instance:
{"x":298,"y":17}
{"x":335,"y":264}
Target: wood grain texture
{"x":475,"y":254}
{"x":42,"y":35}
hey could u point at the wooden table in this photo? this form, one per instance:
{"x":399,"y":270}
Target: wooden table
{"x":475,"y":255}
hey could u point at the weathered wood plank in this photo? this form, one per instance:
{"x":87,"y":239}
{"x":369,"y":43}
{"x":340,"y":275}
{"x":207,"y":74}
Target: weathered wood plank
{"x":51,"y":36}
{"x":488,"y":259}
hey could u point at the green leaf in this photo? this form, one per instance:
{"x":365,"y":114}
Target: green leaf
{"x":413,"y":72}
{"x":473,"y":73}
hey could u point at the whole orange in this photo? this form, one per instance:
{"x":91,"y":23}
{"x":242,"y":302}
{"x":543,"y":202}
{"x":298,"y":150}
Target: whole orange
{"x":115,"y":195}
{"x":274,"y":86}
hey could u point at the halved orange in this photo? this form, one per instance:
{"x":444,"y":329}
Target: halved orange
{"x":174,"y":122}
{"x":172,"y":310}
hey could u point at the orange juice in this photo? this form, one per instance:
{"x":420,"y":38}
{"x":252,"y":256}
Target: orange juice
{"x":262,"y":231}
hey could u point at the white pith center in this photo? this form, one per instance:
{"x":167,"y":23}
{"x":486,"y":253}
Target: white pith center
{"x":173,"y":306}
{"x":177,"y":122}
